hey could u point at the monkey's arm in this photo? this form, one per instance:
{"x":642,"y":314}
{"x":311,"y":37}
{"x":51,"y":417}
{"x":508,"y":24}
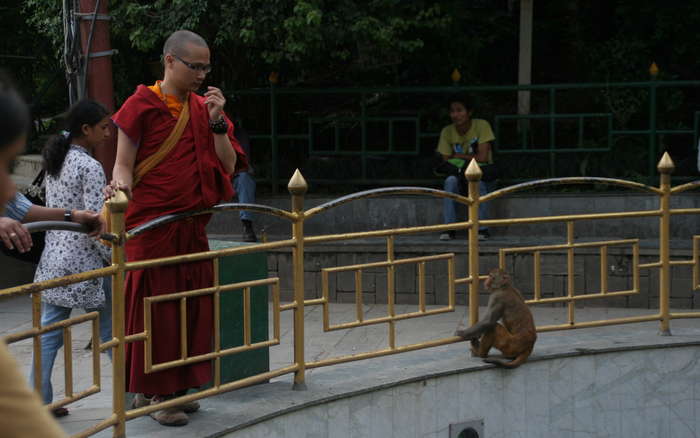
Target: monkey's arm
{"x":493,"y":313}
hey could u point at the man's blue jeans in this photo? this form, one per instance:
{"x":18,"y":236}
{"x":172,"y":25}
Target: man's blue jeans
{"x":52,"y":341}
{"x":245,"y":190}
{"x":449,"y":208}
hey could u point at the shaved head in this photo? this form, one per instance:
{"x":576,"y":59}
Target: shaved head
{"x":180,"y":39}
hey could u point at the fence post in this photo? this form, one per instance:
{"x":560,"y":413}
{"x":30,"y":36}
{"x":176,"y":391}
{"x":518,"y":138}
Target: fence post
{"x":473,"y":174}
{"x":273,"y":133}
{"x":665,"y":167}
{"x":36,"y":340}
{"x":117,"y":208}
{"x":297,"y":188}
{"x":652,"y":128}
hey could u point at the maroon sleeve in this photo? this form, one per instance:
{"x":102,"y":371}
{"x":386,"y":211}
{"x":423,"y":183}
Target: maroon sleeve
{"x":241,"y":157}
{"x":128,"y":118}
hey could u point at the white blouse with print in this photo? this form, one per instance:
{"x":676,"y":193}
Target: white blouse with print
{"x":78,"y":186}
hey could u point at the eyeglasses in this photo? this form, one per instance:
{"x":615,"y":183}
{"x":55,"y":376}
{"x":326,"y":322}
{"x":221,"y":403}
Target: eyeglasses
{"x":205,"y":68}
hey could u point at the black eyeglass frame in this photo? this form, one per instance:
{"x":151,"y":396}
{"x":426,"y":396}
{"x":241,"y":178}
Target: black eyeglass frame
{"x":206,"y":68}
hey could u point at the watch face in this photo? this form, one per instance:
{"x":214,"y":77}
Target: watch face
{"x":219,"y":126}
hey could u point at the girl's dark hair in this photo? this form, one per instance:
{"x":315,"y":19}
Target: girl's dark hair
{"x":84,"y":112}
{"x":14,"y":114}
{"x":464,"y":99}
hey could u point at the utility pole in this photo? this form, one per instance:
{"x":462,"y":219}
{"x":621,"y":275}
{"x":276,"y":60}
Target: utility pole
{"x":525,"y":55}
{"x":97,"y":68}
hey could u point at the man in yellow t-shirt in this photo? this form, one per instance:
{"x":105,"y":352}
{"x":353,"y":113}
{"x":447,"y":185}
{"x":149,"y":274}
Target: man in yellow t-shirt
{"x":464,"y":139}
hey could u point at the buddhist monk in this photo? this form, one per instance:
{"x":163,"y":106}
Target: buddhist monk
{"x":191,"y":174}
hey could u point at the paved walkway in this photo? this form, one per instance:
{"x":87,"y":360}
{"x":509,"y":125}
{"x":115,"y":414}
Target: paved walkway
{"x":236,"y":409}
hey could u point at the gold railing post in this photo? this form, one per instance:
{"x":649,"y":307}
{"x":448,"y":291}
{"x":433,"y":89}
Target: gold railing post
{"x":473,"y":174}
{"x":391,"y":289}
{"x":297,"y":188}
{"x":117,"y":208}
{"x":665,"y":168}
{"x":36,"y":340}
{"x":570,"y":278}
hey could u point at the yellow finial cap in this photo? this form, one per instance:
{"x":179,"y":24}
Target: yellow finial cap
{"x":666,"y":164}
{"x":473,"y":172}
{"x":456,"y":75}
{"x":654,"y":70}
{"x":297,"y":184}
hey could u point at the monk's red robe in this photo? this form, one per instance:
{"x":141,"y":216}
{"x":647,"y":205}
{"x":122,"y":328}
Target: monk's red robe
{"x":191,"y":177}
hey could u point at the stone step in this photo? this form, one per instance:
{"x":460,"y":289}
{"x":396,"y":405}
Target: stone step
{"x":28,"y":165}
{"x":22,"y":182}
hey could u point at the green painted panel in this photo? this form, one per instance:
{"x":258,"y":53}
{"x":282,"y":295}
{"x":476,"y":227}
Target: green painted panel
{"x":234,"y":269}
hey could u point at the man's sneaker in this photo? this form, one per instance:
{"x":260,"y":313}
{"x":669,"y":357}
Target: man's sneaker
{"x":248,"y":233}
{"x":449,"y":235}
{"x":59,"y":412}
{"x":484,"y":234}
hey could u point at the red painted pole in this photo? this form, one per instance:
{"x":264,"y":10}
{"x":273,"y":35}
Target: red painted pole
{"x":99,"y":85}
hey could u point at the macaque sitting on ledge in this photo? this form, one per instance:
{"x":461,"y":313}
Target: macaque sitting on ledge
{"x":516,"y":337}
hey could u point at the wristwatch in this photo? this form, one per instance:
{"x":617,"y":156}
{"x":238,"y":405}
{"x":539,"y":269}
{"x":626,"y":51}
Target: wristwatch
{"x":68,"y":215}
{"x":219,"y":126}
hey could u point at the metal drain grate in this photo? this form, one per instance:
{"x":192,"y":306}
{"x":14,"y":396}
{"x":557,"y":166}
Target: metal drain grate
{"x":467,"y":429}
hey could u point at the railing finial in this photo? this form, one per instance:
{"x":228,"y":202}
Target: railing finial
{"x":297,"y":184}
{"x":666,"y":164}
{"x":456,"y":76}
{"x":473,"y":172}
{"x":653,"y":70}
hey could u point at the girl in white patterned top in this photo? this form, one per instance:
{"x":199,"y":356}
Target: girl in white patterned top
{"x":74,"y":181}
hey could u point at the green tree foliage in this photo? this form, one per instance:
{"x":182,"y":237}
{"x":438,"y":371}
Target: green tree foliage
{"x":390,"y":43}
{"x":307,"y":41}
{"x":31,"y":62}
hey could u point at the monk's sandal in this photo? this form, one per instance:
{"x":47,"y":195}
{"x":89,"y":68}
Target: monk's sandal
{"x":189,"y":407}
{"x":174,"y":416}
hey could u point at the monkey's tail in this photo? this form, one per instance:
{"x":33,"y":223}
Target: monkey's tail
{"x":519,"y":360}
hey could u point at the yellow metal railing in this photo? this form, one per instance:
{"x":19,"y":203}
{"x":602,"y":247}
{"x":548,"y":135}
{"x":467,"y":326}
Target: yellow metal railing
{"x":297,"y":244}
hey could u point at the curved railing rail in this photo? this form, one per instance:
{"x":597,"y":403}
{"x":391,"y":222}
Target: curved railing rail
{"x":530,"y":185}
{"x":166,"y":219}
{"x":387,"y":191}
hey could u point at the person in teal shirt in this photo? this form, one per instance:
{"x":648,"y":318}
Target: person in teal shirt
{"x":465,"y":138}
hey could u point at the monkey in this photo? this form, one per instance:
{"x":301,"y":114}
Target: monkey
{"x":516,"y":337}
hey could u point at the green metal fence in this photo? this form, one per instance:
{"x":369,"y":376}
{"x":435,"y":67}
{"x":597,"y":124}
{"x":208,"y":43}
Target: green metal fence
{"x":382,"y":136}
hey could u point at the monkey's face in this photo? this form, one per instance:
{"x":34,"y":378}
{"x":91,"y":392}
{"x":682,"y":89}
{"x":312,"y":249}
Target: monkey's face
{"x":496,"y":279}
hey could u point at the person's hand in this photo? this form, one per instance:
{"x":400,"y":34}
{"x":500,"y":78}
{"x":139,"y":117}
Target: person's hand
{"x":90,"y":219}
{"x":110,"y":190}
{"x":15,"y":235}
{"x":215,"y":101}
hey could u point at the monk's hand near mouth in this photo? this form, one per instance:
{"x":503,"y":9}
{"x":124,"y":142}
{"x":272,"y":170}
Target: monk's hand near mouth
{"x":215,"y":101}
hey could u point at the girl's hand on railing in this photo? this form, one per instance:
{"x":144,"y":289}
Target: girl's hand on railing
{"x":90,"y":219}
